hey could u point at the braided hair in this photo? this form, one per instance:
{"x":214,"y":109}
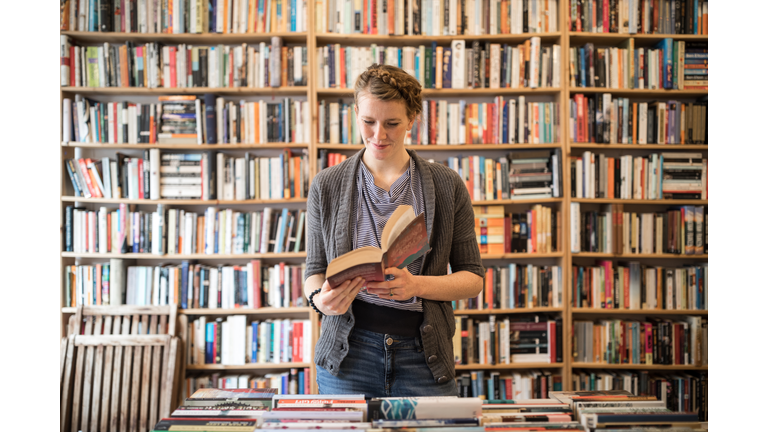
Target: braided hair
{"x":385,"y":82}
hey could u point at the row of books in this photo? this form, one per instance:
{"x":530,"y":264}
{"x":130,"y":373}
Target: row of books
{"x":650,"y":342}
{"x":435,"y":18}
{"x":502,"y":121}
{"x":185,"y":120}
{"x":188,"y":285}
{"x":533,"y":231}
{"x":602,"y":118}
{"x":460,"y":65}
{"x":516,"y":286}
{"x":295,"y":381}
{"x":633,"y":286}
{"x":639,"y":16}
{"x":235,"y":341}
{"x":679,"y":230}
{"x":520,"y":174}
{"x":153,"y":65}
{"x":500,"y":386}
{"x":679,"y":391}
{"x":207,"y":176}
{"x":653,"y":177}
{"x":677,"y":65}
{"x":189,"y":16}
{"x":504,"y":341}
{"x":177,"y":231}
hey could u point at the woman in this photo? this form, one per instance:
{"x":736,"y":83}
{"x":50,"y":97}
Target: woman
{"x":390,"y":338}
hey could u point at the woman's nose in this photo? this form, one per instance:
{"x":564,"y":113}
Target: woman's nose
{"x":378,"y":132}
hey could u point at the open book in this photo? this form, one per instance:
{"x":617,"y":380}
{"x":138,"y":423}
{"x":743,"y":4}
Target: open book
{"x":403,"y":241}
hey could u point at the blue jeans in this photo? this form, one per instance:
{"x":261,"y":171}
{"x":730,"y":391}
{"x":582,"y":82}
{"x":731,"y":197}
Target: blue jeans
{"x":383,"y":365}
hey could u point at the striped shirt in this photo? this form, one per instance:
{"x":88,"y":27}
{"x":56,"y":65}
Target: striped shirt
{"x":371,"y":211}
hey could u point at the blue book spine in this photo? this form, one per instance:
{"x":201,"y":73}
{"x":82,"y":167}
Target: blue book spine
{"x":136,"y":235}
{"x":301,"y":382}
{"x":216,"y":234}
{"x":504,"y":123}
{"x":447,"y":67}
{"x":225,"y":123}
{"x":293,"y":15}
{"x":695,"y":17}
{"x":255,"y":342}
{"x":331,"y":63}
{"x":481,"y":384}
{"x":433,"y":71}
{"x":400,"y":58}
{"x":284,"y":384}
{"x":503,"y":388}
{"x":503,"y":75}
{"x":667,"y":63}
{"x":184,"y":282}
{"x":209,"y":343}
{"x":281,"y":231}
{"x":490,"y":392}
{"x":582,"y":67}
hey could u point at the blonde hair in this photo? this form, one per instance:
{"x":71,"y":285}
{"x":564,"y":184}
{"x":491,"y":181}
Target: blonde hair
{"x":387,"y":83}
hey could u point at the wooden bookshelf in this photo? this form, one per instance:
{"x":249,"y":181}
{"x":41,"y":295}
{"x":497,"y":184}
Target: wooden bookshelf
{"x":577,"y":365}
{"x":313,"y":93}
{"x":204,"y":147}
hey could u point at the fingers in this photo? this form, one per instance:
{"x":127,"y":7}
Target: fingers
{"x":336,"y":301}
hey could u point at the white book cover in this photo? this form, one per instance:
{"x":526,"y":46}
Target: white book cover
{"x":458,"y":60}
{"x":237,"y":342}
{"x":495,"y":66}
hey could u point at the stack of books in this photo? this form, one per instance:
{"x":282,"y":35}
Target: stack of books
{"x":220,"y":410}
{"x":327,"y":412}
{"x":528,"y":414}
{"x":441,"y":414}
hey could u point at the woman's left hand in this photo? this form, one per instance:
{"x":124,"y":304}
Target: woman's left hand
{"x":402,"y":287}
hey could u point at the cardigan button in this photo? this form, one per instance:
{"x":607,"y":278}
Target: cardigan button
{"x":432,"y":359}
{"x":427,"y":328}
{"x":442,"y":379}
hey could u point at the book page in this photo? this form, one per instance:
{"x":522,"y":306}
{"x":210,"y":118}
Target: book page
{"x":400,"y":218}
{"x":409,"y":245}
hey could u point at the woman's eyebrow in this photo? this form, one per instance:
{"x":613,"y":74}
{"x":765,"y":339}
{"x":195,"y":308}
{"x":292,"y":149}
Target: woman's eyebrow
{"x":390,"y":119}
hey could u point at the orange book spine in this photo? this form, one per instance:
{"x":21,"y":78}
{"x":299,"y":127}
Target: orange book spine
{"x":226,"y":14}
{"x":685,"y":126}
{"x":489,"y":288}
{"x":169,"y":8}
{"x":610,"y":177}
{"x":297,"y":183}
{"x":200,"y":234}
{"x":391,"y":17}
{"x":124,"y":66}
{"x":73,"y":285}
{"x":284,"y":66}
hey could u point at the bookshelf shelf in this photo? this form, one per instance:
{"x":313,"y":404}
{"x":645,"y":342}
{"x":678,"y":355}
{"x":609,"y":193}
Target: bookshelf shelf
{"x":662,"y":147}
{"x":245,"y":367}
{"x":180,"y":201}
{"x":592,"y":311}
{"x":454,"y":92}
{"x":637,"y":92}
{"x":268,"y":311}
{"x":522,"y":255}
{"x":466,"y":312}
{"x":519,"y":201}
{"x":635,"y":201}
{"x":507,"y":366}
{"x":204,"y":147}
{"x":578,"y":38}
{"x":201,"y":38}
{"x":137,"y":91}
{"x":365,"y":39}
{"x":448,"y":147}
{"x":577,"y":365}
{"x":289,"y":255}
{"x":636,"y":256}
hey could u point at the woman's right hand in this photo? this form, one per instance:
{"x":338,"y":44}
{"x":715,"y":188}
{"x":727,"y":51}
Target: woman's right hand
{"x":336,"y":301}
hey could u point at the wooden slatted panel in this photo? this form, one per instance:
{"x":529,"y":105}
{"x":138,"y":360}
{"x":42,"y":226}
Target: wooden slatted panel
{"x":112,"y":328}
{"x":127,"y":366}
{"x":135,"y":385}
{"x":143,"y":411}
{"x":167,"y":378}
{"x":172,"y":320}
{"x":98,"y":368}
{"x":93,"y":325}
{"x":78,"y":385}
{"x":153,"y":397}
{"x":63,"y":361}
{"x":66,"y":387}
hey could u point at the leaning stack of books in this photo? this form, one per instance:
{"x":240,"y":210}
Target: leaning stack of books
{"x":528,"y":415}
{"x":326,"y":412}
{"x":620,"y":409}
{"x":220,"y":410}
{"x":441,"y":414}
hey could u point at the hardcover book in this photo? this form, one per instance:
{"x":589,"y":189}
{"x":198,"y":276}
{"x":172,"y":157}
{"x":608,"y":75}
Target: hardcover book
{"x":403,"y":241}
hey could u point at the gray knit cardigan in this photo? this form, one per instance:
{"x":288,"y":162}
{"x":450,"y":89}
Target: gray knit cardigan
{"x":450,"y":226}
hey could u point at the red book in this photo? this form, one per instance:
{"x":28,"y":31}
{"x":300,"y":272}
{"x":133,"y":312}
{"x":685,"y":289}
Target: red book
{"x":608,"y":266}
{"x":507,"y":234}
{"x":87,"y":177}
{"x":366,"y":26}
{"x":626,"y":288}
{"x":552,"y":346}
{"x":72,"y":66}
{"x":189,"y":65}
{"x":374,"y":17}
{"x":141,"y":178}
{"x":342,"y":74}
{"x":109,"y":232}
{"x":172,"y":55}
{"x":432,"y":122}
{"x":391,"y":17}
{"x":295,"y":282}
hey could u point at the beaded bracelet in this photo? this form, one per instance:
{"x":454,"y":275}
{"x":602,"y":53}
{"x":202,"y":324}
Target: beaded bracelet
{"x":311,"y":303}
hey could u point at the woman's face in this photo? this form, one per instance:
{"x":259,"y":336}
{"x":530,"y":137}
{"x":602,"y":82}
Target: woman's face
{"x":383,"y":125}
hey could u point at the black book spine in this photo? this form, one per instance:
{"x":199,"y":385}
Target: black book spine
{"x":525,"y":17}
{"x":210,"y":121}
{"x":105,"y":18}
{"x":146,"y":174}
{"x":134,"y":17}
{"x":68,"y":241}
{"x":219,"y":326}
